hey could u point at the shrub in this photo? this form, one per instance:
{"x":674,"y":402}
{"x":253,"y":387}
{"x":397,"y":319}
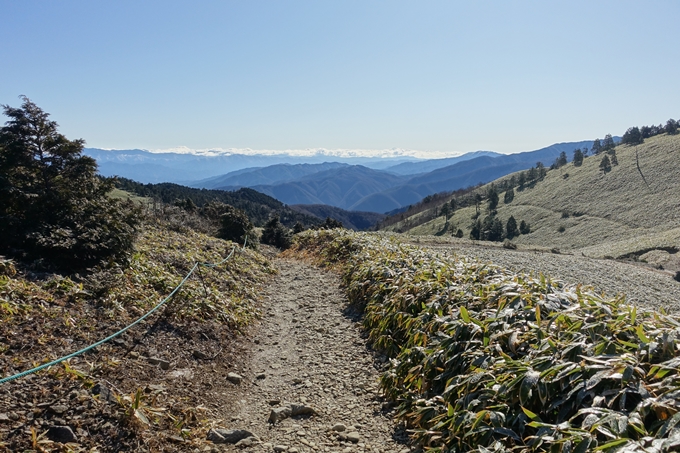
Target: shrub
{"x":54,"y":208}
{"x":511,"y":228}
{"x":561,"y":229}
{"x":509,"y":196}
{"x":330,"y":224}
{"x":483,"y":359}
{"x":235,"y":226}
{"x":508,"y":244}
{"x":459,"y":233}
{"x":276,"y":234}
{"x":524,"y":227}
{"x":298,"y":228}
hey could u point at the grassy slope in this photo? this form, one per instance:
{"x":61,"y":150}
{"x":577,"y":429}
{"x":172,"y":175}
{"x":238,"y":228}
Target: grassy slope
{"x":620,"y":213}
{"x":45,"y":318}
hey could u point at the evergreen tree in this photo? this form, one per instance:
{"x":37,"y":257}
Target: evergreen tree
{"x":478,"y":202}
{"x":496,"y":232}
{"x":605,"y":164}
{"x":330,"y":224}
{"x":476,"y":230}
{"x":562,"y":160}
{"x":274,"y":233}
{"x":578,"y":157}
{"x":445,"y":211}
{"x":632,"y":136}
{"x":532,"y":174}
{"x":524,"y":227}
{"x":541,"y":170}
{"x":509,"y":196}
{"x":612,"y":157}
{"x":521,"y":180}
{"x":298,"y":227}
{"x":511,"y":229}
{"x":608,"y":143}
{"x":53,"y":206}
{"x":597,"y":147}
{"x":235,"y":226}
{"x":459,"y":233}
{"x":492,"y":197}
{"x":671,"y":127}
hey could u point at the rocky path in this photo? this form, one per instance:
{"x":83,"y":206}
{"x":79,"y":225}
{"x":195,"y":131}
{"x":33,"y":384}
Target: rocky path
{"x":309,"y":352}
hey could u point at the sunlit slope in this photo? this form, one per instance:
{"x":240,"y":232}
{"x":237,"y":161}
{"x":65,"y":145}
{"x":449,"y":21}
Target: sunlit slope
{"x":613,"y":214}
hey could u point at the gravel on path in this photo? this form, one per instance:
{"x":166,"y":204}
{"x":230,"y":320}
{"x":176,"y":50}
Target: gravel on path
{"x":309,"y":350}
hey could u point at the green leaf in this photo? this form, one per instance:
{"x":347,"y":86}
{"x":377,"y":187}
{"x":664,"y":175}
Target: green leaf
{"x":612,"y":444}
{"x":641,"y":334}
{"x":530,"y":414}
{"x":464,"y":314}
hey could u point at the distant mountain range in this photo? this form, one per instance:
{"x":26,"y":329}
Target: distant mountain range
{"x":412,"y":168}
{"x":349,"y":183}
{"x":147,"y":167}
{"x":358,"y":188}
{"x":251,"y":177}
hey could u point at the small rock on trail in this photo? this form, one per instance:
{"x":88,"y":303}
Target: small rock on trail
{"x":319,"y":373}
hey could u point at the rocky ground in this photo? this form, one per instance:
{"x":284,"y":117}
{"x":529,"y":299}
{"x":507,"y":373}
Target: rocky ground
{"x":642,"y":285}
{"x":309,"y":355}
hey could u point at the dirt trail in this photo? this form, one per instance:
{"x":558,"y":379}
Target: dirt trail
{"x":309,"y":350}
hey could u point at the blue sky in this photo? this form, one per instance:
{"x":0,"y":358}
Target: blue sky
{"x":430,"y":75}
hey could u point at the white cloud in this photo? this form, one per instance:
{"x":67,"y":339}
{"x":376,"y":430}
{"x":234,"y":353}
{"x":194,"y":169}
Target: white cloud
{"x":377,"y":153}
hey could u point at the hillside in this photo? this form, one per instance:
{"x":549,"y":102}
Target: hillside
{"x":137,"y":392}
{"x":273,"y":174}
{"x":354,"y":220}
{"x":581,"y":209}
{"x":258,"y":206}
{"x":413,"y":168}
{"x":466,"y":173}
{"x":341,"y":187}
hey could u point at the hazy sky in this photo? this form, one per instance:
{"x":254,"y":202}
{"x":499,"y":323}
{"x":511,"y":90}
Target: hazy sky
{"x":439,"y":76}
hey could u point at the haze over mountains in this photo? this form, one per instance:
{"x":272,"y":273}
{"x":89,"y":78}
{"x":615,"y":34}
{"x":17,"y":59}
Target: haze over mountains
{"x":352,"y":183}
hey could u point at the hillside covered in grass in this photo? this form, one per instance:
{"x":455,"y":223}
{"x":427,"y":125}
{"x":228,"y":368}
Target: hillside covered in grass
{"x":130,"y":393}
{"x":629,"y":210}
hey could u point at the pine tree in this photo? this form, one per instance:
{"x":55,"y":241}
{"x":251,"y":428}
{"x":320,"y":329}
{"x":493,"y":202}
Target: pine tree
{"x":511,"y":229}
{"x":632,"y":136}
{"x":509,"y":196}
{"x":578,"y":157}
{"x":235,"y":226}
{"x":274,"y":233}
{"x":492,"y":197}
{"x":476,"y":230}
{"x":53,"y":206}
{"x":605,"y":164}
{"x":562,"y":160}
{"x":524,"y":227}
{"x":608,"y":143}
{"x":597,"y":147}
{"x":521,"y":180}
